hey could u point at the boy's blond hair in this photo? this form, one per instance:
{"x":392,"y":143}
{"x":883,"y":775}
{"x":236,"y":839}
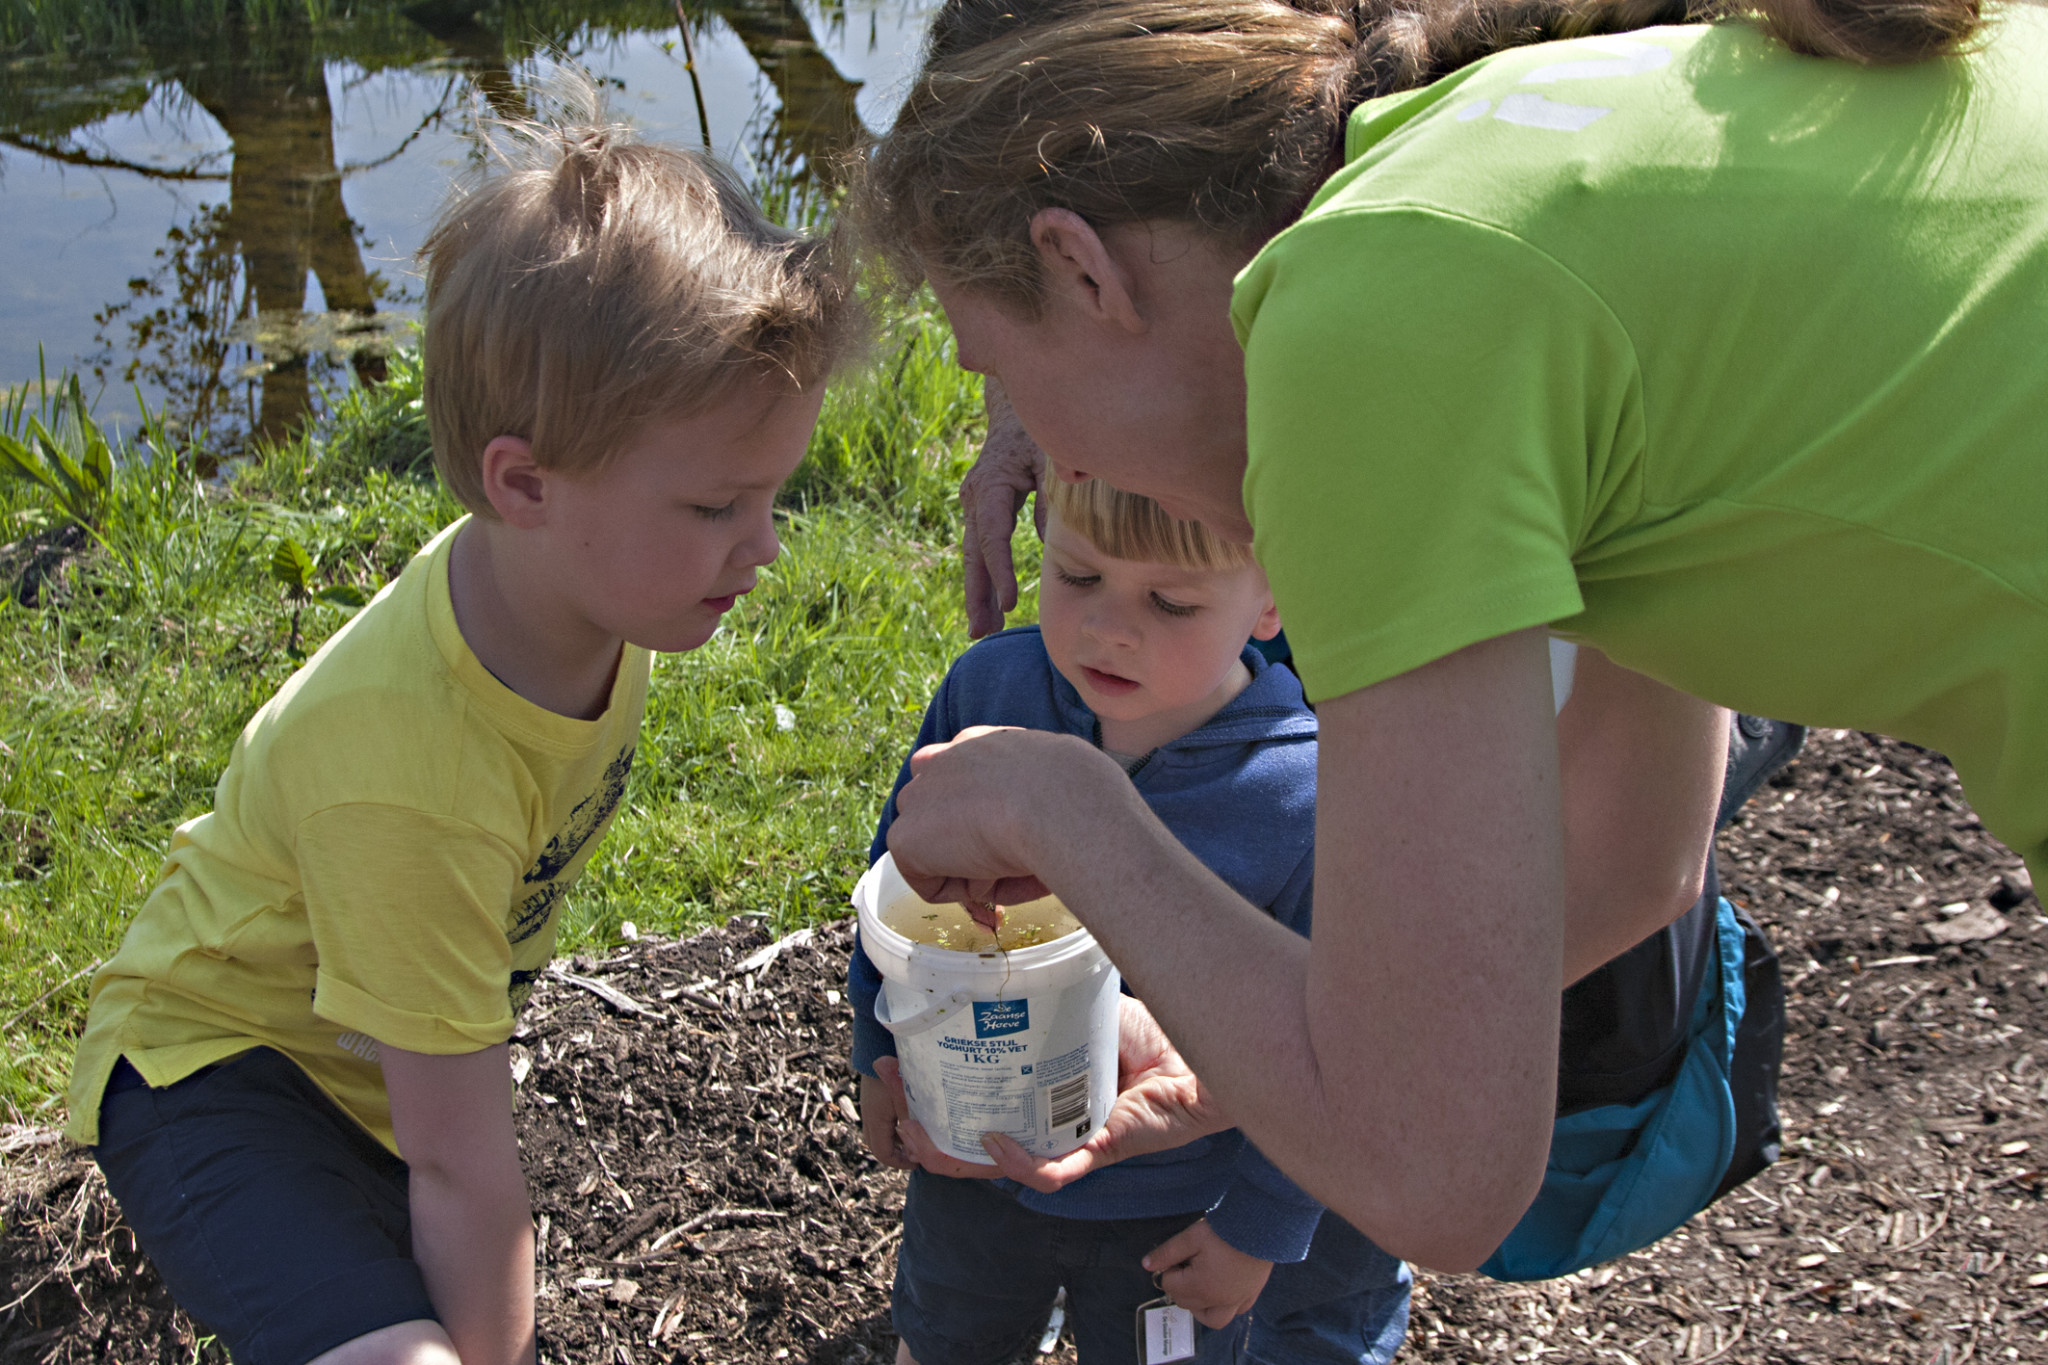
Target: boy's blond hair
{"x":591,"y":283}
{"x":1127,"y":526}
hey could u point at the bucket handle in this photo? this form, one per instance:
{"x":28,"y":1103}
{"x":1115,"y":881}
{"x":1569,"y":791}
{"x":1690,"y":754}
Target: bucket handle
{"x":924,"y":1019}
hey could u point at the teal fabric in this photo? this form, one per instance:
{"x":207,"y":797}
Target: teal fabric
{"x":1621,"y":1176}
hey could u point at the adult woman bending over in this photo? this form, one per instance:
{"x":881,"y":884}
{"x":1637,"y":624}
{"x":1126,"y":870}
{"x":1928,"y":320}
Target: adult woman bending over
{"x":1716,"y":355}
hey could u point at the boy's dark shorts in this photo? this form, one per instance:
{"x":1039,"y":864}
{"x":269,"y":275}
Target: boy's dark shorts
{"x":275,"y":1220}
{"x":977,"y":1272}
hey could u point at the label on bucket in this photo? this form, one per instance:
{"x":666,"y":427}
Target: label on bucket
{"x":987,"y":1089}
{"x":990,"y":1084}
{"x":1063,"y":1082}
{"x":1024,"y":1067}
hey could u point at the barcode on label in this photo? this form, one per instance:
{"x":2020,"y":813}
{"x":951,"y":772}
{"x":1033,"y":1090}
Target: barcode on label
{"x":1069,"y":1101}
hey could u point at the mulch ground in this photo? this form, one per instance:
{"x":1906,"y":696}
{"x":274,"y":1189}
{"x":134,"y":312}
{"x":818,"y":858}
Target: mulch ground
{"x":701,"y":1192}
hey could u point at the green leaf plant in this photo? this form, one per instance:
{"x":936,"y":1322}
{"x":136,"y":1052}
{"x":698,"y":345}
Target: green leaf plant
{"x":73,"y":465}
{"x":293,"y":568}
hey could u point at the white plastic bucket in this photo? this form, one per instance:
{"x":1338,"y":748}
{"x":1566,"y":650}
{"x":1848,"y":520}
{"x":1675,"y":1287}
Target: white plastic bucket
{"x":1022,"y":1043}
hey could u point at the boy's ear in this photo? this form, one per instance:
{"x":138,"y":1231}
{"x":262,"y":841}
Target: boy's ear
{"x":1079,"y":265}
{"x":514,"y":483}
{"x":1269,"y":622}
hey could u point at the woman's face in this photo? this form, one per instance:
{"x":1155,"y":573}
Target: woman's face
{"x":1151,"y":400}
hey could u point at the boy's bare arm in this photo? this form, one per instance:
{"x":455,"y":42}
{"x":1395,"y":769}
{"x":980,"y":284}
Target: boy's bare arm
{"x":472,"y":1224}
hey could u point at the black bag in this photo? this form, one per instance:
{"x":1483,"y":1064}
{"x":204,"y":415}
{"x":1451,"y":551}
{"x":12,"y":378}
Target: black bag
{"x":1623,"y":1030}
{"x":1626,"y":1033}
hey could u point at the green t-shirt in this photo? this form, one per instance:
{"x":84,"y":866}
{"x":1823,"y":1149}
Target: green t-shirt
{"x":1728,"y":361}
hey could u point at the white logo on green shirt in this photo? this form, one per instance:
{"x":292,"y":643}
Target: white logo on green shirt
{"x":1630,"y":59}
{"x":1535,"y":111}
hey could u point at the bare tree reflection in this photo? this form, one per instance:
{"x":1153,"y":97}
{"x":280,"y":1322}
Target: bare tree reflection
{"x":480,"y":51}
{"x":818,"y":120}
{"x":219,"y":325}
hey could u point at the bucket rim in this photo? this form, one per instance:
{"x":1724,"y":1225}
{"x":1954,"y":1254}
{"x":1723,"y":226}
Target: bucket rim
{"x":900,"y":946}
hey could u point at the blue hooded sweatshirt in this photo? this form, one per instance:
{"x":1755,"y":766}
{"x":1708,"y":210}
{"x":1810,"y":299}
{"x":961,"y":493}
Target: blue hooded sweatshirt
{"x":1240,"y":793}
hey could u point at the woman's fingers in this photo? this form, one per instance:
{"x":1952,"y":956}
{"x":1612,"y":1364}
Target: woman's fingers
{"x":960,"y":891}
{"x":967,"y":818}
{"x":1160,"y":1104}
{"x":1044,"y":1174}
{"x":1009,"y":468}
{"x":1155,"y":1113}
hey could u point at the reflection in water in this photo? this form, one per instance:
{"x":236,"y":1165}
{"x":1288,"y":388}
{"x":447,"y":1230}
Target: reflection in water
{"x":237,"y":273}
{"x":818,"y":123}
{"x":219,"y":325}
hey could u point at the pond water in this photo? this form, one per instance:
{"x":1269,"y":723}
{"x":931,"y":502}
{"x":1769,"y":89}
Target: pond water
{"x":215,"y":202}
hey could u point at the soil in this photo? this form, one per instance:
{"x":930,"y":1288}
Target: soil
{"x":689,"y":1129}
{"x":38,"y":567}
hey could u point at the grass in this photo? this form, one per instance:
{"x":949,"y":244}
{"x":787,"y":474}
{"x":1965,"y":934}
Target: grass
{"x":765,"y":755}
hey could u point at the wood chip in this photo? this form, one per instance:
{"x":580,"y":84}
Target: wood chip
{"x":761,"y":958}
{"x":1971,"y":926}
{"x":611,"y":995}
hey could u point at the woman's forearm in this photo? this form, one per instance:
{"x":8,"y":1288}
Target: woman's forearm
{"x":1401,"y":1065}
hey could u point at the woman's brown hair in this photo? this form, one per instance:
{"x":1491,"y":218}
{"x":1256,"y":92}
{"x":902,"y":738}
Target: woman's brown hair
{"x":1222,"y":113}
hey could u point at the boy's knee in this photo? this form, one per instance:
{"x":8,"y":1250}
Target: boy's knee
{"x":903,"y":1355}
{"x":421,"y":1341}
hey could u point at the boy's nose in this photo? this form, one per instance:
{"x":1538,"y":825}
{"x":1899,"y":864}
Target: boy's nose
{"x":1109,"y":626}
{"x":763,"y":547}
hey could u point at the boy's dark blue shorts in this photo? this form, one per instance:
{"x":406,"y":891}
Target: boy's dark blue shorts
{"x":275,"y":1220}
{"x":977,"y":1273}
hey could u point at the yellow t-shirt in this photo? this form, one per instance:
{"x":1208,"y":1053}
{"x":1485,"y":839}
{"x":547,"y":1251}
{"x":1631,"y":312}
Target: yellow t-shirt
{"x":384,"y":861}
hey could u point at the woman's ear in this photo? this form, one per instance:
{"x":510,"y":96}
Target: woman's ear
{"x":1079,"y":266}
{"x":514,"y":483}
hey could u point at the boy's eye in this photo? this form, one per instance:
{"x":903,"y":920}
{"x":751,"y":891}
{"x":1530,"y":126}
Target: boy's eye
{"x":1173,"y":608}
{"x":1074,"y":580}
{"x":716,"y":513}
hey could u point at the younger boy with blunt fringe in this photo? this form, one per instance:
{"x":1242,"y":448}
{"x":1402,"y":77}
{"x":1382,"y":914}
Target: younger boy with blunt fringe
{"x":1141,"y":649}
{"x":294,"y":1073}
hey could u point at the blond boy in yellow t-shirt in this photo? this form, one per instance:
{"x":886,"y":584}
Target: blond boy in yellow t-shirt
{"x":295,"y":1073}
